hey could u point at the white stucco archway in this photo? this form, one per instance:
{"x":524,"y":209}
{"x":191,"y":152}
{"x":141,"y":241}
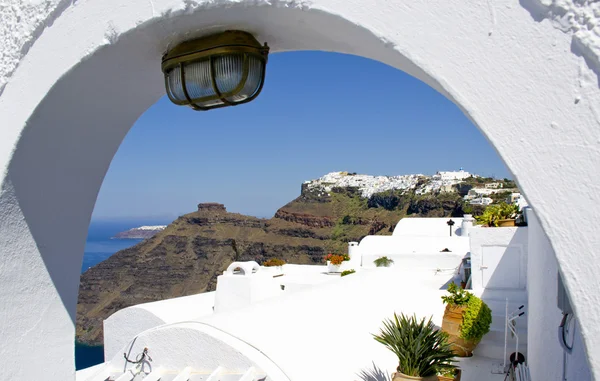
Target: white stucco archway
{"x":77,"y":75}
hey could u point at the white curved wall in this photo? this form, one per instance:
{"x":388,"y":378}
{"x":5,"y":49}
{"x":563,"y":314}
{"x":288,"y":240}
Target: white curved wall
{"x":78,"y":74}
{"x":199,"y":346}
{"x":546,"y":357}
{"x":124,"y":324}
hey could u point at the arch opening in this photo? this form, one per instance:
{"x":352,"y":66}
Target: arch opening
{"x":66,"y":147}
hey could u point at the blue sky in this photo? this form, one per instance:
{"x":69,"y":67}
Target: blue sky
{"x":318,"y":112}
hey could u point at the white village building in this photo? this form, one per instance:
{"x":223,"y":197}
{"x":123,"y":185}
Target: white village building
{"x":76,"y":75}
{"x":480,"y":200}
{"x":452,"y":175}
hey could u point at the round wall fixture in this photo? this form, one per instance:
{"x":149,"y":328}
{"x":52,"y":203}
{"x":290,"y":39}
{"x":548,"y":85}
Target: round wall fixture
{"x":225,"y":69}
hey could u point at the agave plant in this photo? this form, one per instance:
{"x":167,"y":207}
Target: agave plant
{"x":383,"y":262}
{"x":422,"y":350}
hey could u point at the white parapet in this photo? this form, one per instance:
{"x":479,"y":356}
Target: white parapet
{"x":125,"y":324}
{"x":242,"y":284}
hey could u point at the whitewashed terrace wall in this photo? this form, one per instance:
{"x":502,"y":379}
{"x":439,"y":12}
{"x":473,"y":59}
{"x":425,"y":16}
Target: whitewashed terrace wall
{"x":509,"y":245}
{"x":74,"y":76}
{"x":545,"y":355}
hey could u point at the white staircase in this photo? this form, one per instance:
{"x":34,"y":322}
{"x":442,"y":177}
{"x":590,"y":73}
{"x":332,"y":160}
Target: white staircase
{"x":187,"y":374}
{"x":492,"y":344}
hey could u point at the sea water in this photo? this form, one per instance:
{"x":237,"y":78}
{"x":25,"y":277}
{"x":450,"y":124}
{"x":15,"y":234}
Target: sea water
{"x":98,"y":247}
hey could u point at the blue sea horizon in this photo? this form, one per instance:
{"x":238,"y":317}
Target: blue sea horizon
{"x":100,"y":246}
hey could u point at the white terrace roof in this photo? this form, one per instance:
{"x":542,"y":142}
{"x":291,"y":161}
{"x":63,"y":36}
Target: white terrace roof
{"x":427,"y":227}
{"x":325,"y":333}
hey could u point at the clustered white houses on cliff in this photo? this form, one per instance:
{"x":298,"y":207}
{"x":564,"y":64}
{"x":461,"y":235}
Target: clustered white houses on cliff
{"x":74,"y":76}
{"x":369,"y":185}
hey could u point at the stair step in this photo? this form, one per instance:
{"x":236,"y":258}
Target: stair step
{"x":103,"y":375}
{"x":249,"y":375}
{"x":184,"y":375}
{"x":495,"y":350}
{"x":499,"y":306}
{"x":154,"y":375}
{"x":214,"y":376}
{"x":127,"y":376}
{"x":499,"y":321}
{"x":516,"y":296}
{"x":497,"y":335}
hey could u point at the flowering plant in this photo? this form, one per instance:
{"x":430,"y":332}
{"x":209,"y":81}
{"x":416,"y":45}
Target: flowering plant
{"x":337,"y":259}
{"x":274,"y":262}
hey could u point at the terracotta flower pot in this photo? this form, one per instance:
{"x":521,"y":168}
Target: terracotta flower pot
{"x":506,"y":223}
{"x":403,"y":377}
{"x":453,"y":316}
{"x":456,"y":377}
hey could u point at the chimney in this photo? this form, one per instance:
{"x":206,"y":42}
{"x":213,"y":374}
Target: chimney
{"x":242,"y":284}
{"x":467,"y":224}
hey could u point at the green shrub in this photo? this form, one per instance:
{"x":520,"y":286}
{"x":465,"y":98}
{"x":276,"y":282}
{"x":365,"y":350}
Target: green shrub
{"x":383,"y":262}
{"x":477,"y":316}
{"x":493,"y":213}
{"x":422,"y":350}
{"x":348,"y":272}
{"x":477,"y":319}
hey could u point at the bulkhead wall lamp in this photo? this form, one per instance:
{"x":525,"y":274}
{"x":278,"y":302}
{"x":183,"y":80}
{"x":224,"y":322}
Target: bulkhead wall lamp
{"x":225,"y":69}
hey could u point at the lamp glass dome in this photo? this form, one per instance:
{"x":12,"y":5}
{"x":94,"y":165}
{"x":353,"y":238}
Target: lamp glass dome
{"x":220,"y":70}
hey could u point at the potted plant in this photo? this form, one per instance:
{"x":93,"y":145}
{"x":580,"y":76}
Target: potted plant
{"x":508,"y":214}
{"x":466,"y":320}
{"x":423,"y":351}
{"x":274,"y":263}
{"x":383,"y":262}
{"x":335,"y":261}
{"x":502,"y":214}
{"x":450,"y":375}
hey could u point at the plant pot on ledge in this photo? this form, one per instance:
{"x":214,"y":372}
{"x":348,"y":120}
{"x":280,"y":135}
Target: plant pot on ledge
{"x":422,"y":349}
{"x":403,"y":377}
{"x":456,"y":377}
{"x":453,"y":317}
{"x":506,"y":222}
{"x":466,"y":320}
{"x":336,"y":263}
{"x":331,"y":268}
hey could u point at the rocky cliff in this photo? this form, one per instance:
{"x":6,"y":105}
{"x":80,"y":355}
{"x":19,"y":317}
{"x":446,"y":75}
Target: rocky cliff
{"x":187,"y":256}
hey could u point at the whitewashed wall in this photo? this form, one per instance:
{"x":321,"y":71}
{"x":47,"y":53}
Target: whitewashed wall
{"x":503,"y":253}
{"x":545,"y":355}
{"x":74,"y":76}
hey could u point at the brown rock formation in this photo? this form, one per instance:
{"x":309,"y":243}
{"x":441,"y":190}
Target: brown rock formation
{"x":305,"y":219}
{"x":211,"y":207}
